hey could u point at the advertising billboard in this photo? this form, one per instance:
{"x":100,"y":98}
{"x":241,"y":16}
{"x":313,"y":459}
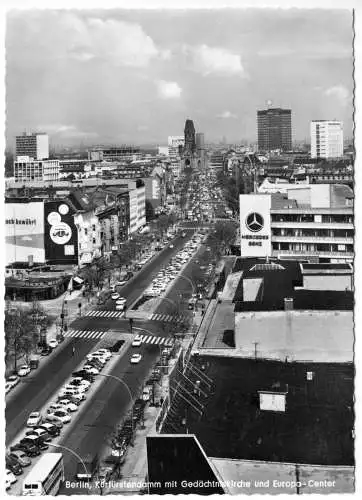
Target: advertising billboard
{"x":255,"y":227}
{"x":24,"y":232}
{"x":61,"y":236}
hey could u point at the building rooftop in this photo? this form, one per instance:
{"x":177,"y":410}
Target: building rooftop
{"x":316,"y":427}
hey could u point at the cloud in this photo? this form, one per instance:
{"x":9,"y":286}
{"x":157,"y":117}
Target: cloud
{"x":338,"y":92}
{"x":209,"y":60}
{"x":168,"y":90}
{"x":226,"y":114}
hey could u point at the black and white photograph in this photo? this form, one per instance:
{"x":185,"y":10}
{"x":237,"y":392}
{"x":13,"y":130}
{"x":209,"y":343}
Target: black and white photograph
{"x":179,"y":264}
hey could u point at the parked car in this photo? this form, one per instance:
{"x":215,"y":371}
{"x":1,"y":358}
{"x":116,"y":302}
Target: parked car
{"x":40,"y":432}
{"x":51,"y":429}
{"x":146,"y":394}
{"x":116,"y":346}
{"x":115,"y":295}
{"x":13,"y":465}
{"x":63,"y":416}
{"x":10,"y":478}
{"x":34,"y":419}
{"x":34,"y":363}
{"x":21,"y":457}
{"x":27,"y":447}
{"x":68,"y":405}
{"x":106,"y":353}
{"x":8,"y":387}
{"x":13,"y":380}
{"x":52,"y":419}
{"x":86,"y":375}
{"x":90,"y":369}
{"x":36,"y":441}
{"x":73,"y":395}
{"x":53,"y":343}
{"x":24,"y":370}
{"x":46,"y":351}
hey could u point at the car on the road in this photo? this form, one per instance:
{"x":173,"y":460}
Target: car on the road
{"x":8,"y":387}
{"x":13,"y":465}
{"x":98,"y":356}
{"x":86,"y":375}
{"x":51,"y":429}
{"x":89,"y":369}
{"x":21,"y":457}
{"x":71,"y":394}
{"x":146,"y":394}
{"x":10,"y":477}
{"x":115,"y":295}
{"x":53,"y":407}
{"x":136,"y":358}
{"x":95,"y":363}
{"x":68,"y":405}
{"x":40,"y":432}
{"x":46,"y":351}
{"x":24,"y":370}
{"x":51,"y":419}
{"x":105,"y":352}
{"x":34,"y":441}
{"x":27,"y":447}
{"x":53,"y":343}
{"x":79,"y":381}
{"x":137,"y":341}
{"x":63,"y":416}
{"x":34,"y":419}
{"x":117,"y":345}
{"x":13,"y":380}
{"x":75,"y":388}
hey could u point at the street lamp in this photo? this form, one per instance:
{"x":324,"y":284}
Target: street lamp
{"x":130,"y":396}
{"x":74,"y":453}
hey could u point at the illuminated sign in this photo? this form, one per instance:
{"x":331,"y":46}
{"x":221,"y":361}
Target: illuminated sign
{"x":255,"y":230}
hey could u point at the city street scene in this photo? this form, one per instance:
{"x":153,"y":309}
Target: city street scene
{"x":179,"y":265}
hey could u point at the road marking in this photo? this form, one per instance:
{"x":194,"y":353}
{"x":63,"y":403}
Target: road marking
{"x":85,"y":334}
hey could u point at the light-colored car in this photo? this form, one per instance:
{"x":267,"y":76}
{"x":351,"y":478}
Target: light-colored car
{"x":42,"y":433}
{"x":105,"y":352}
{"x":62,"y":415}
{"x":77,"y":396}
{"x":78,"y":381}
{"x":137,"y":341}
{"x":10,"y":477}
{"x":69,"y":391}
{"x":24,"y":370}
{"x":8,"y":387}
{"x":146,"y":394}
{"x":53,"y":343}
{"x":75,"y":388}
{"x":136,"y":358}
{"x":68,"y":405}
{"x":91,"y":369}
{"x":21,"y":457}
{"x":13,"y":380}
{"x":34,"y":419}
{"x":98,"y":357}
{"x":53,"y":407}
{"x":115,"y":296}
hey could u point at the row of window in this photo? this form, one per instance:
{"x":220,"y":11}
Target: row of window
{"x":317,"y":218}
{"x":313,"y":247}
{"x":318,"y":233}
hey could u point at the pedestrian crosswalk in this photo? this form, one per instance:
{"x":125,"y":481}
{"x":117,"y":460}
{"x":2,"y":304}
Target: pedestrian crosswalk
{"x":168,"y":318}
{"x":85,"y":334}
{"x":105,"y":314}
{"x":151,"y":339}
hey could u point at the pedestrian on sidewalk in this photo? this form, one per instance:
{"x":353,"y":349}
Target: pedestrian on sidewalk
{"x":73,"y":351}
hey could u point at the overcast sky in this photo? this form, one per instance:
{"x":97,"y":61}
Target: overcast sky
{"x":117,"y":76}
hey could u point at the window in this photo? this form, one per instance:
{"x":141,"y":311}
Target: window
{"x":94,"y":241}
{"x":94,"y":227}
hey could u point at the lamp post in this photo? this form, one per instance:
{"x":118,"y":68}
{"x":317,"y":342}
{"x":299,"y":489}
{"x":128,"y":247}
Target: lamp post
{"x":130,"y":396}
{"x":73,"y":453}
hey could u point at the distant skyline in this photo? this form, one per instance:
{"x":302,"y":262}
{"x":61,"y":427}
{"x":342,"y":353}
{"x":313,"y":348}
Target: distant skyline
{"x":118,"y":76}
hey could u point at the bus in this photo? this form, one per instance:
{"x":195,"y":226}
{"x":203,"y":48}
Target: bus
{"x":46,"y":476}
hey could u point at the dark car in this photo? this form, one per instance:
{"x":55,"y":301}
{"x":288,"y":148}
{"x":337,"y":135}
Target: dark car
{"x":51,"y":429}
{"x":36,"y":441}
{"x":46,"y":351}
{"x":13,"y":465}
{"x":116,"y":347}
{"x":29,"y":449}
{"x":84,"y":374}
{"x":54,"y":421}
{"x":33,"y":363}
{"x":95,"y":362}
{"x":20,"y":457}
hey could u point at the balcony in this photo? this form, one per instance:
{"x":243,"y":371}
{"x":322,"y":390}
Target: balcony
{"x":306,"y":253}
{"x":312,"y":225}
{"x":314,"y":239}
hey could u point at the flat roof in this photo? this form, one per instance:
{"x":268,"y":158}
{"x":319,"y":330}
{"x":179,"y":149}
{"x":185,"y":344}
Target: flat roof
{"x":316,"y":427}
{"x":317,"y":336}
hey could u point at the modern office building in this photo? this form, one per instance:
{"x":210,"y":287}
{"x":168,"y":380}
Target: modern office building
{"x":314,"y":223}
{"x":28,"y":169}
{"x":200,"y":141}
{"x":326,"y":137}
{"x":34,"y":145}
{"x":275,"y":129}
{"x":115,"y":153}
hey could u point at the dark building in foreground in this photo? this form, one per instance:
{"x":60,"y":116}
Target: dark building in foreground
{"x":275,"y":129}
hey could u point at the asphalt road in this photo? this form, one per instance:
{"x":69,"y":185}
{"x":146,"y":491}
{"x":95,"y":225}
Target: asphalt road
{"x":35,"y":390}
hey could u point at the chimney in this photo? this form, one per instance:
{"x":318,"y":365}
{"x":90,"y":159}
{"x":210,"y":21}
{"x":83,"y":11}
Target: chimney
{"x":288,"y":304}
